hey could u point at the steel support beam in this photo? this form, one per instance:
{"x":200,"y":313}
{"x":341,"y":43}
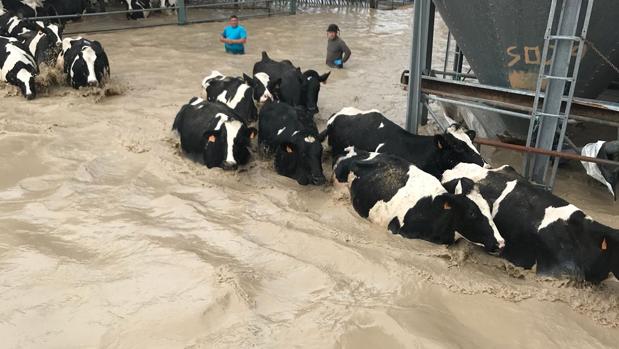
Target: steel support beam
{"x":181,"y":12}
{"x":555,"y":89}
{"x":419,"y":47}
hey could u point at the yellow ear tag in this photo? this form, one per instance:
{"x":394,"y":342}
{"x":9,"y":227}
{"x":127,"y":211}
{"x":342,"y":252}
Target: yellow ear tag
{"x":288,"y":149}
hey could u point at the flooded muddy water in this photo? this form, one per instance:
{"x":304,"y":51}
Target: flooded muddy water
{"x":110,"y":237}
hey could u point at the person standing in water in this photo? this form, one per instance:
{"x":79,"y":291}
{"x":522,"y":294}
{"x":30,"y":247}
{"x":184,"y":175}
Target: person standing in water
{"x":337,"y":50}
{"x":234,"y":37}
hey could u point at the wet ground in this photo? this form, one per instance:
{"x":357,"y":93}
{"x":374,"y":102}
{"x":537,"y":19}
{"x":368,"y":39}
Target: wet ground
{"x":110,"y":237}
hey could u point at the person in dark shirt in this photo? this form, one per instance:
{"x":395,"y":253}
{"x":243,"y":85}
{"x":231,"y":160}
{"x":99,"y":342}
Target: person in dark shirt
{"x":337,"y":50}
{"x":234,"y":37}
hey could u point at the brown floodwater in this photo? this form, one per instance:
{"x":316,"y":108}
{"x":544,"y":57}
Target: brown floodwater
{"x":110,"y":237}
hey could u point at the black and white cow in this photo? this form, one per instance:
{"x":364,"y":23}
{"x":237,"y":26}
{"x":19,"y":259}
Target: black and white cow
{"x":18,"y":68}
{"x":370,"y":130}
{"x":605,"y":174}
{"x":84,"y":61}
{"x":12,"y":25}
{"x":214,"y":131}
{"x":286,"y":82}
{"x":44,"y":44}
{"x":138,"y":5}
{"x":540,"y":228}
{"x":234,"y":92}
{"x":23,"y":8}
{"x":291,"y":134}
{"x":67,"y":7}
{"x":394,"y":193}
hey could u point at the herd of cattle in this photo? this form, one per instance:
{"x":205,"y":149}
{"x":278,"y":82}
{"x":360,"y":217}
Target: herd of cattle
{"x":75,"y":8}
{"x":26,"y":45}
{"x":437,"y":188}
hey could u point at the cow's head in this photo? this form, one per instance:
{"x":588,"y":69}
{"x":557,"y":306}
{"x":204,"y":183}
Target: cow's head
{"x":301,"y":159}
{"x":464,"y":216}
{"x":209,"y":79}
{"x":83,"y":68}
{"x":54,"y":32}
{"x":311,"y":88}
{"x":456,"y":146}
{"x":25,"y":82}
{"x":610,"y":151}
{"x":264,"y":88}
{"x":227,"y":146}
{"x":467,"y":187}
{"x":22,"y":73}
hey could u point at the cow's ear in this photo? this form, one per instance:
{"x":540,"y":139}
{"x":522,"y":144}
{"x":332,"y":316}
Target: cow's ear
{"x":323,"y":78}
{"x":248,"y":79}
{"x":471,"y":134}
{"x":265,"y":56}
{"x":287,"y":147}
{"x":252,"y":132}
{"x":440,"y":142}
{"x":211,"y":136}
{"x":448,"y":202}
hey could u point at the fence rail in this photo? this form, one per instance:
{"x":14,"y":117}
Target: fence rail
{"x":198,"y":11}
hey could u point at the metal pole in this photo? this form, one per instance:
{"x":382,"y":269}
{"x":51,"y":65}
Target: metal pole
{"x":415,"y":107}
{"x":181,"y":12}
{"x":558,"y":154}
{"x":556,"y":87}
{"x":293,"y":7}
{"x":457,"y":62}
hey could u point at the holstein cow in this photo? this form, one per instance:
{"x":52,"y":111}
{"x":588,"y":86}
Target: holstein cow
{"x":540,"y":228}
{"x":12,"y":25}
{"x":18,"y":68}
{"x":291,"y":134}
{"x":370,"y":130}
{"x":44,"y":44}
{"x":214,"y":131}
{"x":232,"y":91}
{"x":67,"y":7}
{"x":605,"y":174}
{"x":84,"y":62}
{"x":24,"y":8}
{"x":138,"y":5}
{"x":393,"y":193}
{"x":287,"y":83}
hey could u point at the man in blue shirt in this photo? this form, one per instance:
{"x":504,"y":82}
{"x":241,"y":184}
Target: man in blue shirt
{"x":234,"y":37}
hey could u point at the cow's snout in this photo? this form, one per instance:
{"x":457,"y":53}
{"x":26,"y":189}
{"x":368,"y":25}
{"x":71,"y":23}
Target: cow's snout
{"x":319,"y":180}
{"x":495,"y":249}
{"x":230,"y":166}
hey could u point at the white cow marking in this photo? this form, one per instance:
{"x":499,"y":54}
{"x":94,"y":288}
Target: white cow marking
{"x":418,"y":186}
{"x":508,"y":189}
{"x":461,"y":135}
{"x":310,"y":139}
{"x":381,"y":125}
{"x":281,"y":130}
{"x":232,"y":130}
{"x":553,"y":214}
{"x":351,"y":111}
{"x":378,"y":148}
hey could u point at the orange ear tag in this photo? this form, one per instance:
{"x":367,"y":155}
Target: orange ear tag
{"x":604,"y":246}
{"x":447,"y":206}
{"x":212,"y":138}
{"x":288,"y":149}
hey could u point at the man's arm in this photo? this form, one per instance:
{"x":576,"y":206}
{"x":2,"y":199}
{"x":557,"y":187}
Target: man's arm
{"x":345,"y":50}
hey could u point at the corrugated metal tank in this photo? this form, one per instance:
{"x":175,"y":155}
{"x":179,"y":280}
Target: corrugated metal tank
{"x":503,"y":41}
